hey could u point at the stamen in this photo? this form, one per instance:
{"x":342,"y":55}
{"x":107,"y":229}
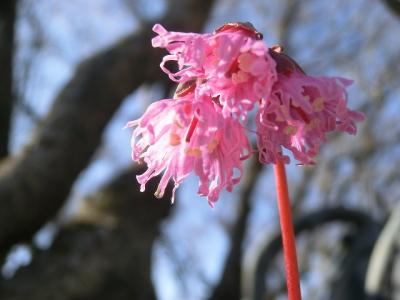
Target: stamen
{"x":174,"y":139}
{"x":191,"y":129}
{"x":194,"y":152}
{"x":318,"y":104}
{"x":233,"y":68}
{"x":245,"y":61}
{"x":302,"y":113}
{"x":290,"y":130}
{"x":212,"y":145}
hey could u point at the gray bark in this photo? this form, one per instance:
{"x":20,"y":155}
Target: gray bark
{"x":34,"y":185}
{"x":105,"y":253}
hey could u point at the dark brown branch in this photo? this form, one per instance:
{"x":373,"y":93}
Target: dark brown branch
{"x":104,"y":254}
{"x":394,"y":6}
{"x":7,"y":21}
{"x":309,"y":222}
{"x":286,"y":24}
{"x":228,"y":287}
{"x":35,"y":185}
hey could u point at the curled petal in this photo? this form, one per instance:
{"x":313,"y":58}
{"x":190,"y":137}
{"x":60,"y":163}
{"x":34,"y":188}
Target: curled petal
{"x":234,"y":66}
{"x":301,"y":111}
{"x":167,"y":141}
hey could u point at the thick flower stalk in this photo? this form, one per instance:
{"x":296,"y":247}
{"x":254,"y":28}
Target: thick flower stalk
{"x":223,"y":76}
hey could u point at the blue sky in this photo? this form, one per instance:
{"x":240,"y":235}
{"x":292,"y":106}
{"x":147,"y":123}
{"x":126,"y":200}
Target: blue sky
{"x":70,"y":31}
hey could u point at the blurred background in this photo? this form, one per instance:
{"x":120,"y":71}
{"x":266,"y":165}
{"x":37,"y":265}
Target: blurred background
{"x":73,"y":224}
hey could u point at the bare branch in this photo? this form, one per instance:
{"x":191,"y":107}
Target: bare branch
{"x":393,"y":5}
{"x":102,"y":257}
{"x":7,"y":21}
{"x":34,"y":185}
{"x":287,"y":22}
{"x":307,"y":222}
{"x":229,"y":286}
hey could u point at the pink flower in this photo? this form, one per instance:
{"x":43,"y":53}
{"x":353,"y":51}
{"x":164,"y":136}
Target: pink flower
{"x":222,"y":76}
{"x":234,"y":65}
{"x":300,"y":112}
{"x":182,"y":135}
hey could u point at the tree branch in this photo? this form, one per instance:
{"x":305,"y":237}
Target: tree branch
{"x":105,"y":253}
{"x":394,"y":6}
{"x":7,"y":21}
{"x":307,"y":222}
{"x":229,"y":286}
{"x":34,"y":185}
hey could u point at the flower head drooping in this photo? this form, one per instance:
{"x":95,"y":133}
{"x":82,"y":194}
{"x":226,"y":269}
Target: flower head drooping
{"x":234,"y":65}
{"x":300,"y":112}
{"x":182,"y":135}
{"x":222,"y":76}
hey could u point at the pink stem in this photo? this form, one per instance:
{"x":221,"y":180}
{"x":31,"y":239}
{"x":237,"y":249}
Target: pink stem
{"x":288,"y":237}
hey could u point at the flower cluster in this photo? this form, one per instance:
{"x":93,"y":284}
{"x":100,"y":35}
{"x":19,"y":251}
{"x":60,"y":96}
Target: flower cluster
{"x":222,"y":76}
